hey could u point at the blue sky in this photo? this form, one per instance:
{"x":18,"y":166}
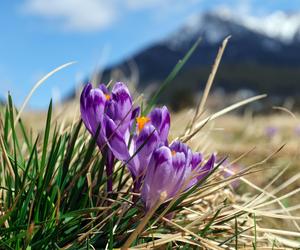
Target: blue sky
{"x":39,"y":35}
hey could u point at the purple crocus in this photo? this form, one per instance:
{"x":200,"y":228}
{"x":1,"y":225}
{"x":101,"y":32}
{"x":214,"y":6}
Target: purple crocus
{"x":173,"y":169}
{"x":297,"y":130}
{"x":107,"y":113}
{"x":230,"y":170}
{"x":150,"y":132}
{"x":271,"y":131}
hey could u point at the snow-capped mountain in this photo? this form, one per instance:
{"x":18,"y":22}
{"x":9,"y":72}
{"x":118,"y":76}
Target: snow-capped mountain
{"x":263,"y":54}
{"x":278,"y":25}
{"x":214,"y":26}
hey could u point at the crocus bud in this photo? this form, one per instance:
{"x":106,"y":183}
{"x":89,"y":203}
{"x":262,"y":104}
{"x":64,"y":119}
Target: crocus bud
{"x":151,"y":132}
{"x":172,"y":170}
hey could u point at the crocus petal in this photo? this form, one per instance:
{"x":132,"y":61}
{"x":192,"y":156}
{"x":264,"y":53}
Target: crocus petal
{"x":165,"y":173}
{"x":135,"y":113}
{"x":83,"y":103}
{"x":123,"y":104}
{"x":85,"y":92}
{"x":110,"y":109}
{"x":160,"y":118}
{"x":178,"y":161}
{"x":109,"y":157}
{"x":179,"y":173}
{"x":193,"y":169}
{"x":133,"y":163}
{"x":206,"y":168}
{"x":95,"y":108}
{"x":104,"y":89}
{"x":196,"y":160}
{"x":146,"y":142}
{"x":115,"y":140}
{"x":92,"y":102}
{"x":197,"y":172}
{"x":157,"y":179}
{"x":178,"y":146}
{"x":141,"y":149}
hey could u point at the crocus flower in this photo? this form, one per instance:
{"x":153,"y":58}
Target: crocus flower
{"x":150,"y":132}
{"x":171,"y":170}
{"x":230,"y":170}
{"x":297,"y":130}
{"x":271,"y":131}
{"x":102,"y":111}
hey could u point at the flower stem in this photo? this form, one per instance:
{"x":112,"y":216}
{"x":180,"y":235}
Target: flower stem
{"x":136,"y":189}
{"x":144,"y":221}
{"x":109,"y":162}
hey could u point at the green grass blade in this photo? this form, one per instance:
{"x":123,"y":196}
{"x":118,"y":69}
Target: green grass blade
{"x":206,"y":228}
{"x":6,"y":123}
{"x":255,"y":233}
{"x":25,"y":174}
{"x":70,"y":150}
{"x":46,"y":134}
{"x":171,"y":76}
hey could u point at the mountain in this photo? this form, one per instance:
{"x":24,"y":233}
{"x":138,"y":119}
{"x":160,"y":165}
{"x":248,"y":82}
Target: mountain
{"x":279,"y":25}
{"x":263,"y":55}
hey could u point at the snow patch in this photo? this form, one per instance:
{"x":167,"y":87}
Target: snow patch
{"x":278,"y":25}
{"x":216,"y":25}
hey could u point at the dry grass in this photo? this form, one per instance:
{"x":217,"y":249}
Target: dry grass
{"x":279,"y":176}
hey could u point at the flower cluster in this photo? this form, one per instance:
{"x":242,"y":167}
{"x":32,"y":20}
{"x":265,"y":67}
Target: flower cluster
{"x":103,"y":113}
{"x":140,"y":142}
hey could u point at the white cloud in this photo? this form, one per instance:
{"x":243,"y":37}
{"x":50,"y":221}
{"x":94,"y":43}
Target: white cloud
{"x":75,"y":15}
{"x":143,"y":4}
{"x":166,"y":4}
{"x":244,"y":7}
{"x":239,"y":8}
{"x":95,"y":15}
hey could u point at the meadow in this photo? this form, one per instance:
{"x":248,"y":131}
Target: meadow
{"x":55,"y":191}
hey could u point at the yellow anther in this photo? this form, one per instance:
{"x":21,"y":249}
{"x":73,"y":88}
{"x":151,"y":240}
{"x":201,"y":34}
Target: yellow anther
{"x":141,"y":122}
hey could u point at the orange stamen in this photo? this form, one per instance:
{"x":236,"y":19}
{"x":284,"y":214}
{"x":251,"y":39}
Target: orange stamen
{"x":141,"y":122}
{"x":173,"y":152}
{"x":107,"y":97}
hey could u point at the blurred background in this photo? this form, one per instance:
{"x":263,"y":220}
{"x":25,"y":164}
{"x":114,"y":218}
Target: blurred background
{"x":141,"y":41}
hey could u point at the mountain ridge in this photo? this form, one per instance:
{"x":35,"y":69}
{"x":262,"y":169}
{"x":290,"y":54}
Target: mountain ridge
{"x":248,"y":49}
{"x":278,"y":25}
